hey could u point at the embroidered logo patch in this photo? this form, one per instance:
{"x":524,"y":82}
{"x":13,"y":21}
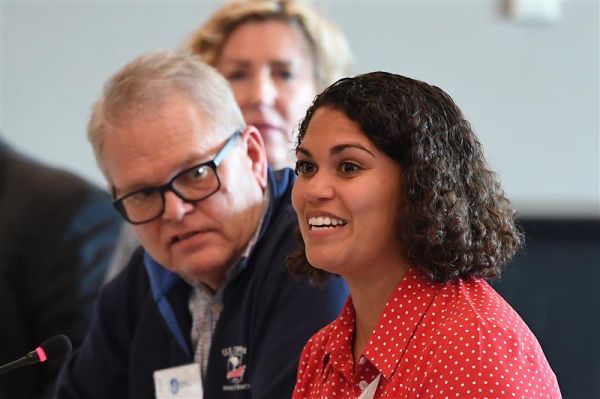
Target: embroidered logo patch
{"x":235,"y":368}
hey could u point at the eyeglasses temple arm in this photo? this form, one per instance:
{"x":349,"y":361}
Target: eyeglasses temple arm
{"x":234,"y":137}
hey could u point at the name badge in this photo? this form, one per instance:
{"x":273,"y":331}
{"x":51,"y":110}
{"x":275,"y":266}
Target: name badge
{"x":179,"y":382}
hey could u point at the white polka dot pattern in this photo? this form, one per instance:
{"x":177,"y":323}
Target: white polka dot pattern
{"x":452,"y":340}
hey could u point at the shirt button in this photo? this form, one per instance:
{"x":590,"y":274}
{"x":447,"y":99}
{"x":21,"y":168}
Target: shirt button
{"x":362,"y":360}
{"x":363,"y":384}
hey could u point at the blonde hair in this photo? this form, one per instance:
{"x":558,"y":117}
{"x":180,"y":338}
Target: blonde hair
{"x":330,"y":50}
{"x":149,"y":81}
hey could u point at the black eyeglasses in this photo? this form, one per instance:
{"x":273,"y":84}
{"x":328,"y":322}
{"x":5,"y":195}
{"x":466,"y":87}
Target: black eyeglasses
{"x":191,"y":185}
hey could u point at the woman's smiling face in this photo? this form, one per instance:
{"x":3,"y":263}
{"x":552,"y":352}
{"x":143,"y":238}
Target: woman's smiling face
{"x":347,"y":197}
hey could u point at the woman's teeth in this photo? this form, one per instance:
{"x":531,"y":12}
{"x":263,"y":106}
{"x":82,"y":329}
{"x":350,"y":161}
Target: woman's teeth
{"x":324,"y":222}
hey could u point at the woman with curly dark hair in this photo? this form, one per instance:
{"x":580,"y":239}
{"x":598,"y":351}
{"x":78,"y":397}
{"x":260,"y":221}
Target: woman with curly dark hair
{"x":394,"y":194}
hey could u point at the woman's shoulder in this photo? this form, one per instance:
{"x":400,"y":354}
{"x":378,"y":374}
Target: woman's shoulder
{"x":474,"y":332}
{"x":475,"y":302}
{"x":472,"y":343}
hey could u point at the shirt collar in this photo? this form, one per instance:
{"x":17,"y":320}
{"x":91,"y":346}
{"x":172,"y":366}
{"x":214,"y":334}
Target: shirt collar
{"x":401,"y":317}
{"x":234,"y":271}
{"x":338,"y":349}
{"x":240,"y":265}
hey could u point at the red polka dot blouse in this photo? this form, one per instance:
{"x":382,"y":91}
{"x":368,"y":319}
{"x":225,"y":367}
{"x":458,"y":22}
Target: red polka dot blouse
{"x":434,"y":340}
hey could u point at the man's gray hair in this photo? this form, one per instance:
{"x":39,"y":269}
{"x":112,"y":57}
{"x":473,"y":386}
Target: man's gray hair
{"x":147,"y":82}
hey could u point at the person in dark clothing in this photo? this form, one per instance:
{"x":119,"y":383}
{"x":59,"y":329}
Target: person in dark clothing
{"x":57,"y":232}
{"x":206,"y":307}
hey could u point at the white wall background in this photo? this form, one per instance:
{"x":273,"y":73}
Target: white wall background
{"x":531,"y":91}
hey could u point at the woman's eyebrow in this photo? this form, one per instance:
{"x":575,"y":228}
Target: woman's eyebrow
{"x":303,"y":151}
{"x":335,"y":150}
{"x":235,"y":62}
{"x":342,"y":147}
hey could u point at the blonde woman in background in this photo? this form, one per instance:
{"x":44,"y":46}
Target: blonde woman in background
{"x":276,"y":55}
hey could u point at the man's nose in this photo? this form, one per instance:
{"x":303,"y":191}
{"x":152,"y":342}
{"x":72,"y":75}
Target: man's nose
{"x":175,"y":207}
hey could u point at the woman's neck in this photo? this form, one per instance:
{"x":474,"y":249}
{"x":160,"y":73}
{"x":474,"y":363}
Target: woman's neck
{"x":369,"y":296}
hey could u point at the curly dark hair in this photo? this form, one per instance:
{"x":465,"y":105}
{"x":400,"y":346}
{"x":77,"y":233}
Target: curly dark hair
{"x":456,"y":221}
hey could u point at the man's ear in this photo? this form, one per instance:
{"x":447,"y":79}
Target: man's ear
{"x":257,"y":153}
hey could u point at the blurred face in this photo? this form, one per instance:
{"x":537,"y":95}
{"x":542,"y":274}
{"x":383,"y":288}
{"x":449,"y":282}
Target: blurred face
{"x":271,"y":70}
{"x":200,"y":240}
{"x":347,"y":198}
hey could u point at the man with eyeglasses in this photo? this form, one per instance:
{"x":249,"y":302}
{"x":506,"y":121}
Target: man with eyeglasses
{"x":206,"y":308}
